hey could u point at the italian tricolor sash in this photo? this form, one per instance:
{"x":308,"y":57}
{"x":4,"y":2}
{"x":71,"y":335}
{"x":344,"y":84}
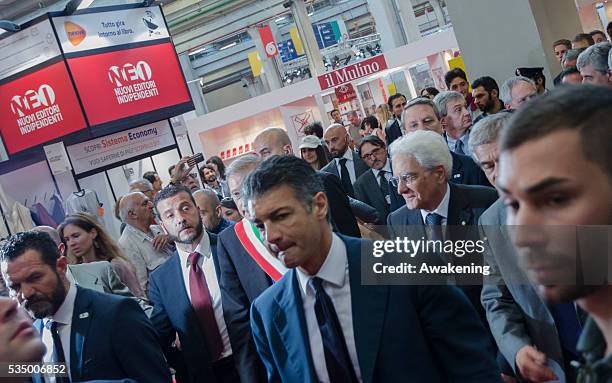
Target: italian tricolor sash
{"x":252,"y":243}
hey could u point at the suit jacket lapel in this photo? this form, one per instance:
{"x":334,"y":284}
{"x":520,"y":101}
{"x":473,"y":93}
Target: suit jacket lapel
{"x":81,"y":320}
{"x":360,"y":166}
{"x":374,"y":192}
{"x":290,"y":323}
{"x":459,"y":213}
{"x":369,"y":305}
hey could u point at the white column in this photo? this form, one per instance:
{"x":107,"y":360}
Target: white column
{"x":438,"y":11}
{"x":309,"y":41}
{"x":409,"y":22}
{"x":387,"y":25}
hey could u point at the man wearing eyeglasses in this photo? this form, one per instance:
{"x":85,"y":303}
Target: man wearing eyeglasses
{"x":182,"y":174}
{"x":373,"y":187}
{"x":434,"y":207}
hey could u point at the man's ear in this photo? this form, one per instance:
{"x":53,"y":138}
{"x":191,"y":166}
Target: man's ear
{"x":61,"y":265}
{"x":61,"y":248}
{"x":218,"y":211}
{"x":444,"y":122}
{"x":495,"y":93}
{"x":320,"y":205}
{"x":288,"y":149}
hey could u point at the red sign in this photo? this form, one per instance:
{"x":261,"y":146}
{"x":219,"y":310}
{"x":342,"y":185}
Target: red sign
{"x":268,"y":42}
{"x":39,"y":107}
{"x":345,"y":93}
{"x":353,"y":72}
{"x":125,"y":83}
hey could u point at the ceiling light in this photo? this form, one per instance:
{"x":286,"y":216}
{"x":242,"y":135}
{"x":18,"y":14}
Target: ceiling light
{"x":228,"y":46}
{"x":197,"y":51}
{"x":280,"y":19}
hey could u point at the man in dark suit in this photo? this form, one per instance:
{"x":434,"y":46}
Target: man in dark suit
{"x":396,"y":104}
{"x":422,"y":114}
{"x":186,"y":296}
{"x":275,"y":141}
{"x":373,"y":187}
{"x":98,"y":336}
{"x":320,"y":324}
{"x":345,"y":164}
{"x":422,"y":168}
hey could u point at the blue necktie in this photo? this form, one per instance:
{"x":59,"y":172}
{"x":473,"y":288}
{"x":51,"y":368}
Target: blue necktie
{"x":434,"y":221}
{"x":337,"y":359}
{"x":58,"y":349}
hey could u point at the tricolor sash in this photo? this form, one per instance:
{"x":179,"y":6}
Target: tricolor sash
{"x":252,"y":243}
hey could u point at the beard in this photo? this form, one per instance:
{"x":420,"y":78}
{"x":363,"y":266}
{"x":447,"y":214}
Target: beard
{"x":40,"y":306}
{"x":199,"y":228}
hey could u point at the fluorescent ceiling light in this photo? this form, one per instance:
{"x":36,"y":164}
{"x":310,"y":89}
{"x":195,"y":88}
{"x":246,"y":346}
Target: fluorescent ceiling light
{"x":85,"y":4}
{"x":197,"y":51}
{"x":228,"y":46}
{"x":280,"y":19}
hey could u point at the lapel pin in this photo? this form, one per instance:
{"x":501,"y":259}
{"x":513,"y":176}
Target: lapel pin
{"x":462,"y":223}
{"x":457,"y":175}
{"x":84,"y":315}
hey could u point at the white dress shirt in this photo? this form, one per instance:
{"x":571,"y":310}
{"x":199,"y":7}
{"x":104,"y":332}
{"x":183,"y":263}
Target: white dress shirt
{"x":63,"y":317}
{"x":207,"y":265}
{"x":452,"y":143}
{"x":335,"y":275}
{"x":442,"y":208}
{"x":386,"y":168}
{"x":350,"y":165}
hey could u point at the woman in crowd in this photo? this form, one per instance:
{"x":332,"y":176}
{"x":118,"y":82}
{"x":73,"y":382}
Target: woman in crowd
{"x":312,"y":152}
{"x":429,"y":92}
{"x":87,"y":241}
{"x":371,"y":126}
{"x":384,"y":117}
{"x":230,"y":210}
{"x":219,"y":166}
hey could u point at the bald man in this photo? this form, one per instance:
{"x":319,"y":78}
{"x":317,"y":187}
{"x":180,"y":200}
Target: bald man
{"x":209,"y":206}
{"x":346,"y":164}
{"x":144,"y":244}
{"x":275,"y":141}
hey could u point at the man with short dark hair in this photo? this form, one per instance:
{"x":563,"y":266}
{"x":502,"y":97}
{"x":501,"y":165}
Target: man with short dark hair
{"x":556,"y":182}
{"x":373,"y":187}
{"x":485,"y":92}
{"x":182,"y":174}
{"x":155,"y":181}
{"x":186,"y":296}
{"x":396,"y":104}
{"x":598,"y":36}
{"x":582,"y":40}
{"x":560,"y":47}
{"x":571,"y":75}
{"x":320,"y":323}
{"x":336,"y":116}
{"x":120,"y":341}
{"x":456,"y":80}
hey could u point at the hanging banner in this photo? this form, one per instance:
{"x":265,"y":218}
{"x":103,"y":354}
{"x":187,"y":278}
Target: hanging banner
{"x":27,"y":48}
{"x":104,"y":151}
{"x":255,"y":63}
{"x":267,"y":40}
{"x":297,"y":41}
{"x":87,"y":31}
{"x":352,"y":72}
{"x":57,"y":158}
{"x":39,"y":107}
{"x":124,"y":83}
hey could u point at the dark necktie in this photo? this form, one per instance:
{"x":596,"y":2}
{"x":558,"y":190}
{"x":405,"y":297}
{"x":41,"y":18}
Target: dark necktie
{"x":434,"y":221}
{"x":58,"y":349}
{"x":203,"y":306}
{"x":459,"y":147}
{"x":384,"y":185}
{"x":345,"y":177}
{"x":337,"y":359}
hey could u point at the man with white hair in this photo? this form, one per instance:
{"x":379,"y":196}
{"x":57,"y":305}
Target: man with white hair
{"x":456,"y":120}
{"x":593,"y":65}
{"x":145,"y":244}
{"x":517,"y":90}
{"x":144,"y":186}
{"x":422,"y":167}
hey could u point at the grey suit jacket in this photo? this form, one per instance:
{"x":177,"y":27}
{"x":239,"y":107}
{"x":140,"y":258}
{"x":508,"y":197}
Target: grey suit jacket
{"x":101,"y":277}
{"x":517,"y":315}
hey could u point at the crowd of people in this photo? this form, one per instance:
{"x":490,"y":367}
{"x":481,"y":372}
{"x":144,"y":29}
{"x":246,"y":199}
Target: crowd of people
{"x":253,"y":272}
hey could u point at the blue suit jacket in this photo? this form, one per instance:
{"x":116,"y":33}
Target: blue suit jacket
{"x":112,"y":339}
{"x":173,"y":313}
{"x":242,"y":280}
{"x":402,"y":333}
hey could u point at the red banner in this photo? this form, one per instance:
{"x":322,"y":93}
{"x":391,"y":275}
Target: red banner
{"x":39,"y":107}
{"x":345,"y":93}
{"x":125,"y":83}
{"x":268,"y":41}
{"x":352,"y":72}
